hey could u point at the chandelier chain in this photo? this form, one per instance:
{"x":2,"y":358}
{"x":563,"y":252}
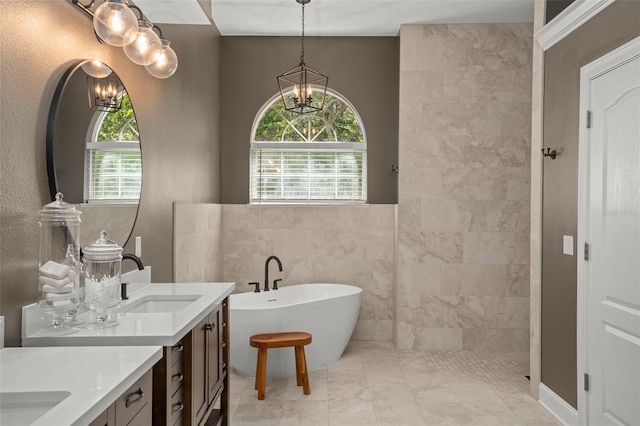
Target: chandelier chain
{"x":302,"y":49}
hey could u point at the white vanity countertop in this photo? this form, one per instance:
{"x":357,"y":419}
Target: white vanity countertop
{"x":94,"y":377}
{"x":164,"y":329}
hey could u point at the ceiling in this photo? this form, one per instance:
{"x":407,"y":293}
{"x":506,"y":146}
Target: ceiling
{"x":334,"y":17}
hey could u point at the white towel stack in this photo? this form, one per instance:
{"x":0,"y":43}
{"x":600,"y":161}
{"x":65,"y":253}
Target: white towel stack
{"x":58,"y":283}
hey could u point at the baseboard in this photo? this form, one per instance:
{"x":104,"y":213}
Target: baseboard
{"x":557,"y":406}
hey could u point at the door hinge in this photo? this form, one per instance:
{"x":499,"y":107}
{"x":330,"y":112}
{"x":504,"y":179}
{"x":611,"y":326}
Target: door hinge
{"x":586,"y":382}
{"x":586,"y":251}
{"x":588,"y":119}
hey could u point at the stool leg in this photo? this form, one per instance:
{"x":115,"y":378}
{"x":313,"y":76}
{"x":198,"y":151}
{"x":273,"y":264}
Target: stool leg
{"x":305,"y":374}
{"x":263,"y":373}
{"x":257,"y":383}
{"x":298,"y":365}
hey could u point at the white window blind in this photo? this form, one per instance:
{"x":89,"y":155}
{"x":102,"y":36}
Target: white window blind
{"x":114,"y":173}
{"x":312,"y":175}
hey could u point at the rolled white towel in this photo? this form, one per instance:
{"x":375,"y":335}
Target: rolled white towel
{"x":56,"y":297}
{"x":53,"y":282}
{"x":64,"y":289}
{"x":54,"y":270}
{"x":62,"y":303}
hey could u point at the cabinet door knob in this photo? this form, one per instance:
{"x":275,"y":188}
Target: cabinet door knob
{"x":224,"y":344}
{"x":224,"y":324}
{"x":177,"y":407}
{"x":177,"y":377}
{"x":137,"y":396}
{"x":224,"y":365}
{"x":209,"y":327}
{"x":178,"y":348}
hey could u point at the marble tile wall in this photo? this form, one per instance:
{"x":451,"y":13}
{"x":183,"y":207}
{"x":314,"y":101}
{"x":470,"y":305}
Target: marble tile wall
{"x":463,"y":214}
{"x":197,"y":242}
{"x":336,"y":244}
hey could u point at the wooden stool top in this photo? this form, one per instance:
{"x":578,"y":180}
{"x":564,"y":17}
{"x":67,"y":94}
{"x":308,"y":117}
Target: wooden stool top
{"x":280,"y":340}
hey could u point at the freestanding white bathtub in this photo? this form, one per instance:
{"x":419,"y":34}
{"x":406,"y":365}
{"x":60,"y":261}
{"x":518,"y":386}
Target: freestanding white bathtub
{"x":327,"y":311}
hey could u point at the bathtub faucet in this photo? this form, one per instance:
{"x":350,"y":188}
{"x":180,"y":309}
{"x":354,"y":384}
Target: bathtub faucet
{"x":266,"y":272}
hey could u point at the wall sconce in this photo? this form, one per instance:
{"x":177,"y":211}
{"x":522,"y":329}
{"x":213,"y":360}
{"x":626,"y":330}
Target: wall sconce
{"x":549,"y":153}
{"x":116,"y":24}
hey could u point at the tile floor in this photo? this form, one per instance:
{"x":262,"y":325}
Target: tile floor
{"x":375,"y":384}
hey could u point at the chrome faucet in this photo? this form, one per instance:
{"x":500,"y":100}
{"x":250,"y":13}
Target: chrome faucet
{"x":266,"y":272}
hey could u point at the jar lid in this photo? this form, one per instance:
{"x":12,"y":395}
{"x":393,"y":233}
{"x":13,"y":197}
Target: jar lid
{"x":60,"y":209}
{"x":103,"y":249}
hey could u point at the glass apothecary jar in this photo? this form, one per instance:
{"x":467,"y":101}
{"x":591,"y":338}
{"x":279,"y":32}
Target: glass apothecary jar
{"x":59,"y":263}
{"x":102,"y":269}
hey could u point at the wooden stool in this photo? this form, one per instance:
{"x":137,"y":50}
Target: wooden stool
{"x":298,"y":340}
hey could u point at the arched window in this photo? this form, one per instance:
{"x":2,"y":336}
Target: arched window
{"x":315,"y":157}
{"x":113,"y":163}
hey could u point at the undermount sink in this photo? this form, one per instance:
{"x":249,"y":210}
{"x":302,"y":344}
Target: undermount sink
{"x":159,"y":304}
{"x":24,"y":408}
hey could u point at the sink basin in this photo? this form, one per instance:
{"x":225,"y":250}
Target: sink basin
{"x":159,"y":304}
{"x":24,"y":408}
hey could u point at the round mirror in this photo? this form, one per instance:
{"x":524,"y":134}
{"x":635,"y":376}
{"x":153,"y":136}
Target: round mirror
{"x":93,"y":150}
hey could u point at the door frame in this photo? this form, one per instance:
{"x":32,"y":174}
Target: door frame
{"x":588,"y":73}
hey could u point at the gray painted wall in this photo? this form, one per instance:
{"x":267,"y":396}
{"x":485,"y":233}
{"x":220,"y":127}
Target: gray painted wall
{"x":616,"y":25}
{"x":554,"y":7}
{"x":363,"y":69}
{"x":179,"y":125}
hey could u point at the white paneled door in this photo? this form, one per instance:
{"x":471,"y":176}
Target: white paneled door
{"x":611,"y":220}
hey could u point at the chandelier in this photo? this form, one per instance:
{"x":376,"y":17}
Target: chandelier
{"x":302,"y":88}
{"x":105,"y":93}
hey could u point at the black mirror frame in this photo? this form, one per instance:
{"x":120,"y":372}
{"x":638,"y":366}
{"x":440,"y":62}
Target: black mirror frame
{"x":50,"y":136}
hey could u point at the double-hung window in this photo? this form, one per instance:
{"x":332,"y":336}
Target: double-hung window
{"x":316,"y":157}
{"x":113,"y":165}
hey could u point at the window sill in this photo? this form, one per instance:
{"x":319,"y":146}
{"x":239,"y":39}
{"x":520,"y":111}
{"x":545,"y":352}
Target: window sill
{"x":308,"y":204}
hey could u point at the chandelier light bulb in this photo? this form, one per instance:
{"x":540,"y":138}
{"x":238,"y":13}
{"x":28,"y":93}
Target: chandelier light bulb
{"x":166,"y":62}
{"x":115,"y":23}
{"x":146,"y":46}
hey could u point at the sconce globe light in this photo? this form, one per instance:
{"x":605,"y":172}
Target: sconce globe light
{"x":166,"y":62}
{"x":115,"y":23}
{"x":146,"y":46}
{"x":96,"y":69}
{"x":302,"y":88}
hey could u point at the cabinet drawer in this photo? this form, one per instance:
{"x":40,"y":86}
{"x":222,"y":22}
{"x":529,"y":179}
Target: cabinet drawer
{"x":134,"y":399}
{"x":177,"y":406}
{"x":177,"y":352}
{"x":177,"y":377}
{"x":106,"y":418}
{"x":142,"y":418}
{"x":180,"y":421}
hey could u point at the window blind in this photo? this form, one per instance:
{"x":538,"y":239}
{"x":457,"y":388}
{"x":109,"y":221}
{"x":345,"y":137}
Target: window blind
{"x":114,"y":174}
{"x":307,"y":175}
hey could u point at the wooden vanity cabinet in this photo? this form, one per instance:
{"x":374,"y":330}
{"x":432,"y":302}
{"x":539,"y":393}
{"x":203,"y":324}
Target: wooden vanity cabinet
{"x":209,"y":383}
{"x":190,"y":382}
{"x":132,"y":408}
{"x":169,"y":378}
